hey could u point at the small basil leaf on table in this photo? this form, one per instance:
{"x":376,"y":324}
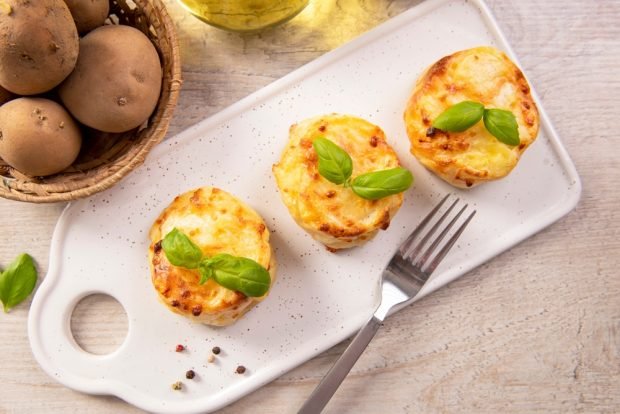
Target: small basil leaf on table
{"x":180,"y":250}
{"x":239,"y":273}
{"x":17,"y":281}
{"x":503,"y":125}
{"x":379,"y":184}
{"x":334,"y":162}
{"x":459,"y":117}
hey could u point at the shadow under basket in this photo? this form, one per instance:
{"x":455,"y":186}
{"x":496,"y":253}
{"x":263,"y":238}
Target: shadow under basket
{"x":105,"y":158}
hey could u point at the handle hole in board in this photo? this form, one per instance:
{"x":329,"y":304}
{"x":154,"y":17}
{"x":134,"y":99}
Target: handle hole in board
{"x":99,"y":324}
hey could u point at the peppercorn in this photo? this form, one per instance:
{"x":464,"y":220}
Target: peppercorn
{"x":216,"y":350}
{"x":240,"y":369}
{"x":180,"y":348}
{"x":177,"y":385}
{"x":190,"y":374}
{"x":211,"y":358}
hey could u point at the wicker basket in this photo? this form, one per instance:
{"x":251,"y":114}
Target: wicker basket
{"x":106,"y":158}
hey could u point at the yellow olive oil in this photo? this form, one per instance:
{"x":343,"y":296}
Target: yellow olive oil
{"x":244,"y":15}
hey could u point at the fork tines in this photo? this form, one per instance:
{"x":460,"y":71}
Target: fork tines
{"x":420,"y":252}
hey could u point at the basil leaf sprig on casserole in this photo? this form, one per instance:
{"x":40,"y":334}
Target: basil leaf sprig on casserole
{"x":340,"y":179}
{"x":470,"y":117}
{"x":210,"y":256}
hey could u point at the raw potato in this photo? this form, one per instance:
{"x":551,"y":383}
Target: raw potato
{"x":88,"y":14}
{"x":38,"y":137}
{"x":117,"y":80}
{"x":38,"y":45}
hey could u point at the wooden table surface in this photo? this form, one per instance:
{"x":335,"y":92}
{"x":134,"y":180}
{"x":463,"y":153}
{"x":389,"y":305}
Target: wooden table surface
{"x":536,"y":329}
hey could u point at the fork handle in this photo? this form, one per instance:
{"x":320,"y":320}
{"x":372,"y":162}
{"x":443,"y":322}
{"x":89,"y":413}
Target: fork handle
{"x":330,"y":383}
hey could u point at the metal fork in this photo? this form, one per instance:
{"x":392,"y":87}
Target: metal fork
{"x":402,"y":279}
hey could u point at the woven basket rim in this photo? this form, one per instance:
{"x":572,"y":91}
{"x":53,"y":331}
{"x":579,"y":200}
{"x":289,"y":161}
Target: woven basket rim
{"x":13,"y":189}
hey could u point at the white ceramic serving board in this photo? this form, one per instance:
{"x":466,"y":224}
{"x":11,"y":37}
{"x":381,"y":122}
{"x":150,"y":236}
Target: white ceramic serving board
{"x":320,"y":298}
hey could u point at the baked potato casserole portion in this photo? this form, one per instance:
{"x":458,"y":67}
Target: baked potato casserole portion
{"x":217,"y":222}
{"x":331,"y":213}
{"x":465,"y":159}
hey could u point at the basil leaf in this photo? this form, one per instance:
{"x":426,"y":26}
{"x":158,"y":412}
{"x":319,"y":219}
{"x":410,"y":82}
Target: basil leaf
{"x":239,"y":273}
{"x":206,"y":272}
{"x":180,"y":250}
{"x":379,"y":184}
{"x":503,"y":125}
{"x":459,"y":117}
{"x":17,"y":281}
{"x":334,"y":162}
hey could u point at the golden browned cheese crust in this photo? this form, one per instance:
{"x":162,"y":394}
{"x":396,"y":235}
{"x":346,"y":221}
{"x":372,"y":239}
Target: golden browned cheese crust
{"x":218,"y":223}
{"x":330,"y":213}
{"x":482,"y":74}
